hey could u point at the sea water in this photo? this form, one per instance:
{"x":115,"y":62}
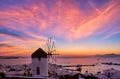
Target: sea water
{"x":73,"y":61}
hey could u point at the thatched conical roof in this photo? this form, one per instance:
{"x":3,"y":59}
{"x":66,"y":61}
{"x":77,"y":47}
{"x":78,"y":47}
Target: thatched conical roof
{"x":39,"y":53}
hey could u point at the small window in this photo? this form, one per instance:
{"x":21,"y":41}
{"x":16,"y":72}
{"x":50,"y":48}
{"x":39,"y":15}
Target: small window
{"x":39,"y":59}
{"x":38,"y":70}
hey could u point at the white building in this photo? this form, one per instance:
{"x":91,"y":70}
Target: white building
{"x":39,"y":63}
{"x":99,"y":75}
{"x":112,"y":73}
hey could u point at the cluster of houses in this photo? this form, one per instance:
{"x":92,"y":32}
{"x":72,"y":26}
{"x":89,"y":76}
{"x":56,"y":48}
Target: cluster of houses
{"x":109,"y":73}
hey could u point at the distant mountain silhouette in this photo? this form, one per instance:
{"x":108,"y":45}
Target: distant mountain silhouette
{"x":10,"y":57}
{"x":108,"y":55}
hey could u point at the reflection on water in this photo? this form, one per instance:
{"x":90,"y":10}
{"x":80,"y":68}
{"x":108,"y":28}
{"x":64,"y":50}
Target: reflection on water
{"x":72,"y":61}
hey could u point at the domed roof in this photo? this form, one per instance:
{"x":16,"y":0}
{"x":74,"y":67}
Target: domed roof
{"x":39,"y":53}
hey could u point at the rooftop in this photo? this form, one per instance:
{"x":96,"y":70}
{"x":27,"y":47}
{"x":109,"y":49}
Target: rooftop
{"x":39,"y":53}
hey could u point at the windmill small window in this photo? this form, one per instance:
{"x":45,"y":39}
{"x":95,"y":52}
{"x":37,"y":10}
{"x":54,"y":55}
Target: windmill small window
{"x":38,"y":70}
{"x":39,"y":59}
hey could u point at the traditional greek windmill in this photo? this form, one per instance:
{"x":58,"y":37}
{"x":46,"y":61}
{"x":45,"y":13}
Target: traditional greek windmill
{"x":39,"y":63}
{"x":40,"y":60}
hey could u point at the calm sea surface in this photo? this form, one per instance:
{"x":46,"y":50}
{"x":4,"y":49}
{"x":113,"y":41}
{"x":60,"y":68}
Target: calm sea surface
{"x":73,"y":61}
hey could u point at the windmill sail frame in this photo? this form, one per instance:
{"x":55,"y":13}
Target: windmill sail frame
{"x":50,"y":49}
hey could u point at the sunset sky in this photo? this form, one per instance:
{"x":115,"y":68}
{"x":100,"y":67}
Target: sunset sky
{"x":78,"y":27}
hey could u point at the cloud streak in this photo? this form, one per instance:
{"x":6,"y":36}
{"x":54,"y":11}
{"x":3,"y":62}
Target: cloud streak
{"x":11,"y":32}
{"x":5,"y":45}
{"x":77,"y":25}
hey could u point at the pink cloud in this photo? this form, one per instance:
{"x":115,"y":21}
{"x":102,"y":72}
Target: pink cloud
{"x":70,"y":21}
{"x":76,"y":25}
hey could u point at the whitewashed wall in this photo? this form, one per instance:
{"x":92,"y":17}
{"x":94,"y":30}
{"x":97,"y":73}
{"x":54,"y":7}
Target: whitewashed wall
{"x":42,"y":64}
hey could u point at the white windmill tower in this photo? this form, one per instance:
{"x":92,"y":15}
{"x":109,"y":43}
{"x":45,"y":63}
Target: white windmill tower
{"x":39,"y":63}
{"x":40,"y":60}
